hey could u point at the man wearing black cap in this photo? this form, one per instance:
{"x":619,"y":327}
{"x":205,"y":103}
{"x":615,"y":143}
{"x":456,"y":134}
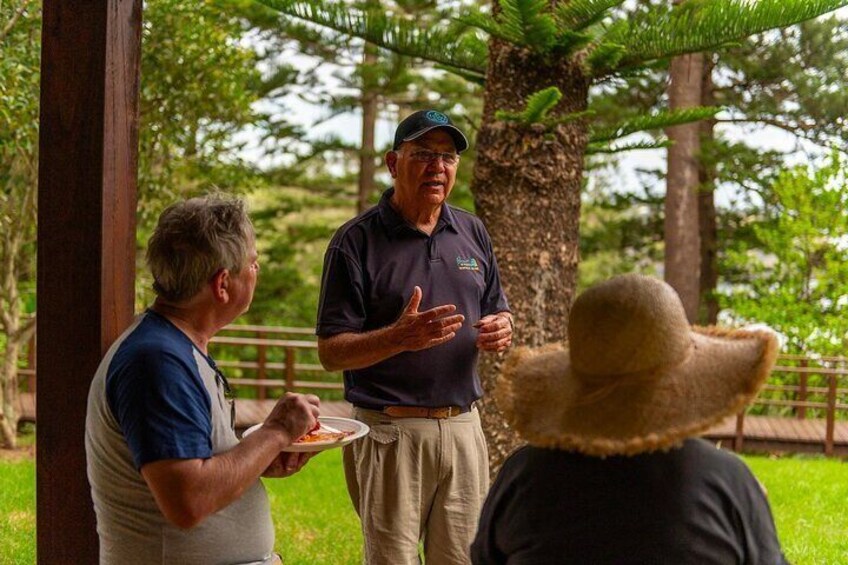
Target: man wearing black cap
{"x":410,"y":293}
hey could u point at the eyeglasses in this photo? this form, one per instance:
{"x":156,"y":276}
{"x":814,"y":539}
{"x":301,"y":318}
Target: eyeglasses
{"x":222,"y":381}
{"x":429,"y":157}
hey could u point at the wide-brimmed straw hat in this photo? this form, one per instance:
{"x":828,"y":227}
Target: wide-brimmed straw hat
{"x":634,"y":376}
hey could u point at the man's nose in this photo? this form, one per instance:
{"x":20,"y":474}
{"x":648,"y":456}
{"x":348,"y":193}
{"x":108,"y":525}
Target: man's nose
{"x":437,"y":164}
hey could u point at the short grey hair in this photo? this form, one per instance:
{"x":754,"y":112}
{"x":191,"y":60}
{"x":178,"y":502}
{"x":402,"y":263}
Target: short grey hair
{"x":193,"y":240}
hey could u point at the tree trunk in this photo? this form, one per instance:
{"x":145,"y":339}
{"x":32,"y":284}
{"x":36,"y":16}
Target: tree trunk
{"x":682,"y":241}
{"x":367,"y":166}
{"x":708,"y":311}
{"x":10,"y":324}
{"x":9,"y":392}
{"x":526,"y":186}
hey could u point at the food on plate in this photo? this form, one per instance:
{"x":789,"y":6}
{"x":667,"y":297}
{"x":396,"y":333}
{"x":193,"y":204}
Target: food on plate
{"x":323,"y":432}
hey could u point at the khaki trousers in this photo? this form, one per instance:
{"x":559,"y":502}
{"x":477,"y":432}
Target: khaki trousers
{"x":416,"y":479}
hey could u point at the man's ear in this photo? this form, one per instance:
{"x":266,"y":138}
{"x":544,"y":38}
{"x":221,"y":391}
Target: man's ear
{"x":220,"y":284}
{"x":391,"y":163}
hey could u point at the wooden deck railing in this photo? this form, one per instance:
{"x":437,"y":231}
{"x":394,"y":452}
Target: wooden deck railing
{"x":272,"y":362}
{"x":802,"y":387}
{"x":261,"y":361}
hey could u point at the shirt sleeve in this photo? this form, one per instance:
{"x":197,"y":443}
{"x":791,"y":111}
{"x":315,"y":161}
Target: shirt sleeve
{"x":494,"y":299}
{"x":341,"y":306}
{"x":162,"y":407}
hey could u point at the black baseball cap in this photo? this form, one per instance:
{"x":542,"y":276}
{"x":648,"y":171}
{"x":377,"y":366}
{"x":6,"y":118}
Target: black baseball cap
{"x":418,"y":123}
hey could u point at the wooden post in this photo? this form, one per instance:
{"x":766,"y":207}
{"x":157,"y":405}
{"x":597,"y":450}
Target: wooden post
{"x":86,"y":244}
{"x":831,"y":414}
{"x":801,"y":411}
{"x":740,"y":431}
{"x":261,"y":360}
{"x":289,"y":369}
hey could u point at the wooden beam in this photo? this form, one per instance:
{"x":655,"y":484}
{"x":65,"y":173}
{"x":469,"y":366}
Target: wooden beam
{"x":86,"y":244}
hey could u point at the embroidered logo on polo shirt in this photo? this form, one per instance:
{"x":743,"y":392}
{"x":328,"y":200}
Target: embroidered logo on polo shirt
{"x":469,"y":264}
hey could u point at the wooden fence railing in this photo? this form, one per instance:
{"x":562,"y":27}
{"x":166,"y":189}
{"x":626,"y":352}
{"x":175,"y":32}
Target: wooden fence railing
{"x":803,"y":388}
{"x":255,"y":357}
{"x":262,"y":361}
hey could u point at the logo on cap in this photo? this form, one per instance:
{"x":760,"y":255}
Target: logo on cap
{"x":437,"y":117}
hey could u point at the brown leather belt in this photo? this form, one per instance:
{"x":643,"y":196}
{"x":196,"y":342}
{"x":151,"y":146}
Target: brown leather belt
{"x":423,"y":412}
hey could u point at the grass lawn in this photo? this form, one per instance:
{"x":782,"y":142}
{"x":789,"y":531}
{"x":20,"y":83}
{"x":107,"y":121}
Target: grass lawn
{"x":809,"y":499}
{"x":316,"y":524}
{"x":17,"y":511}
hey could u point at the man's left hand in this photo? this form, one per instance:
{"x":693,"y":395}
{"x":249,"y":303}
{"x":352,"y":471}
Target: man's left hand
{"x":286,"y":464}
{"x":495,"y":332}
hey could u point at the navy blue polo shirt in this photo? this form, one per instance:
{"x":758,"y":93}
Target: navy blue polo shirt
{"x":371,"y":267}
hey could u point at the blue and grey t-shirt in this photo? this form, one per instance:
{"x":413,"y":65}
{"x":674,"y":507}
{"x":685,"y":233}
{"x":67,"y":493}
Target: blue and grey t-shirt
{"x":155,"y":396}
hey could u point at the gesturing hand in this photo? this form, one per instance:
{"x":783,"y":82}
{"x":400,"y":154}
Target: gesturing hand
{"x":495,"y":332}
{"x":416,"y":330}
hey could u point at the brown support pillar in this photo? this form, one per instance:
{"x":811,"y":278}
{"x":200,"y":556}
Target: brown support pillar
{"x":86,"y":244}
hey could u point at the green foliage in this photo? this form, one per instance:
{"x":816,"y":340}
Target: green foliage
{"x":793,"y":80}
{"x":795,"y":279}
{"x":522,"y":22}
{"x":19,"y":102}
{"x":580,"y":14}
{"x":20,"y":37}
{"x":538,"y":106}
{"x":528,"y":22}
{"x":600,"y":147}
{"x":293,"y":226}
{"x":197,"y":89}
{"x":406,"y":37}
{"x":604,"y":56}
{"x":656,"y":121}
{"x":619,"y":233}
{"x":703,"y":25}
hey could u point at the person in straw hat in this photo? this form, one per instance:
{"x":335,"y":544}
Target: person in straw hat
{"x":613,"y":473}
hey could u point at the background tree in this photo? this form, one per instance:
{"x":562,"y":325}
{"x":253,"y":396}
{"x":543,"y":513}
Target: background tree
{"x":538,"y":66}
{"x":20,"y":38}
{"x":682,"y":231}
{"x":796,"y":275}
{"x":199,"y":85}
{"x":788,"y":80}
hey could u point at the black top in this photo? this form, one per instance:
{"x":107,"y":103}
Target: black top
{"x":371,"y":267}
{"x":696,"y":504}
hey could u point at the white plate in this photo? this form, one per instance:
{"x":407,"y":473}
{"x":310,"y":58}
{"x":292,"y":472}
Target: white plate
{"x":342,"y":424}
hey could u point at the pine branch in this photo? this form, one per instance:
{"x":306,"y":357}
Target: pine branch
{"x":704,"y":25}
{"x":580,"y":14}
{"x":604,"y":56}
{"x":526,"y":23}
{"x":660,"y":120}
{"x":596,"y":148}
{"x":537,"y":108}
{"x":406,"y":37}
{"x":470,"y":76}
